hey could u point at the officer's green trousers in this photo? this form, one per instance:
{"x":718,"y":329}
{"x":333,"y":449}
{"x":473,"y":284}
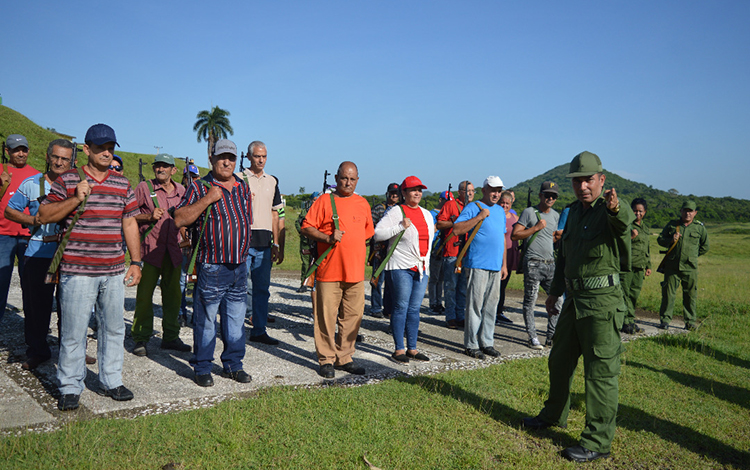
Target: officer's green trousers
{"x":672,"y":280}
{"x":597,"y":339}
{"x":632,"y":283}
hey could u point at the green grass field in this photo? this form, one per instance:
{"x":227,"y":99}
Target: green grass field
{"x":684,"y":404}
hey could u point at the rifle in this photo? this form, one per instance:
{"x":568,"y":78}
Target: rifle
{"x":4,"y":156}
{"x":376,"y":275}
{"x":75,"y":156}
{"x":468,"y":242}
{"x":325,"y":182}
{"x":242,"y":164}
{"x":528,"y":199}
{"x":141,"y":178}
{"x":4,"y":187}
{"x":438,"y":246}
{"x":660,"y":269}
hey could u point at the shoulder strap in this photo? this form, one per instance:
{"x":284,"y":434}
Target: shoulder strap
{"x":376,"y":275}
{"x":320,"y":259}
{"x":57,"y":258}
{"x":155,"y":200}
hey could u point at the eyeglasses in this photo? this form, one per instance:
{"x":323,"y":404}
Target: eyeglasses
{"x":550,"y":196}
{"x":115,"y":167}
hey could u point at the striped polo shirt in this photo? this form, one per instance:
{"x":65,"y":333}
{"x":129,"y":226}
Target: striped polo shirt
{"x":95,"y":245}
{"x":227,"y":236}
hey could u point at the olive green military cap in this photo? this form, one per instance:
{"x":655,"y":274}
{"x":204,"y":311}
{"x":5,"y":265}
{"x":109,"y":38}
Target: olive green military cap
{"x":689,"y":205}
{"x":585,"y":164}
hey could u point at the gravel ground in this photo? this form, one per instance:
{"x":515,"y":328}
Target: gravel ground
{"x":163,"y":381}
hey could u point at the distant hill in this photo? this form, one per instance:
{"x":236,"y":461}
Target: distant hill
{"x":13,"y":122}
{"x":662,"y":205}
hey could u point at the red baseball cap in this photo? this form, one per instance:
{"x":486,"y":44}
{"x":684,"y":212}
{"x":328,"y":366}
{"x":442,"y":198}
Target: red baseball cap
{"x":412,"y":182}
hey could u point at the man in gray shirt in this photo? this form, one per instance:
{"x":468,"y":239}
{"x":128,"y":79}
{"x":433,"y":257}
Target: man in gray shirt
{"x":537,"y":227}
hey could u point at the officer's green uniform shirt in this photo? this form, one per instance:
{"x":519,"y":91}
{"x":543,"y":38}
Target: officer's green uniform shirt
{"x":641,"y":248}
{"x":693,"y":243}
{"x":596,"y":242}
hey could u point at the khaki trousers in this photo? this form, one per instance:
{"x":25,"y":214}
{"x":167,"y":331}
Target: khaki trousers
{"x":338,"y":304}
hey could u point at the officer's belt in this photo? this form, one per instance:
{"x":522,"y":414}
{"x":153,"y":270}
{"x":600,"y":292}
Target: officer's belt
{"x":596,"y":282}
{"x":544,"y":261}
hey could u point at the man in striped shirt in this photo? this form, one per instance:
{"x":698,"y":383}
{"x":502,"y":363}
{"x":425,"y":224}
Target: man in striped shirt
{"x":92,"y":271}
{"x":220,"y":204}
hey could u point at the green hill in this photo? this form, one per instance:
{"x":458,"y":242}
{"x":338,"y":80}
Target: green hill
{"x":662,"y":205}
{"x":13,"y":122}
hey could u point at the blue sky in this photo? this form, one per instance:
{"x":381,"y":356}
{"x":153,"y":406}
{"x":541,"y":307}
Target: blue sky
{"x":443,"y":90}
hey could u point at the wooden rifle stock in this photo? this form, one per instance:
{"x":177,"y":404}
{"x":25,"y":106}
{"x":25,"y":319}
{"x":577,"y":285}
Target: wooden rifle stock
{"x":660,"y":269}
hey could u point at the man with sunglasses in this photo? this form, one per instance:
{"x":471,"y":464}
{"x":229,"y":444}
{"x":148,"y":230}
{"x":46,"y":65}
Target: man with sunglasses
{"x":537,"y":227}
{"x":162,"y":257}
{"x":117,"y":165}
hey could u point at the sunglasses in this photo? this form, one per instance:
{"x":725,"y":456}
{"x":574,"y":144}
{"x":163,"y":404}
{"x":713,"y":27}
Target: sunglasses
{"x":115,"y":167}
{"x":550,"y":196}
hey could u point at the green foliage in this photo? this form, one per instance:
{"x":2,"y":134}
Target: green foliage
{"x":212,"y":126}
{"x":663,"y":206}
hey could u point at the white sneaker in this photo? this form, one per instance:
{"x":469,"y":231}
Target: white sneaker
{"x":535,"y":344}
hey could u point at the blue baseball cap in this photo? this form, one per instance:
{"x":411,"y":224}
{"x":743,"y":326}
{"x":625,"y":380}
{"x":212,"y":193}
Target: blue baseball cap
{"x":100,"y":134}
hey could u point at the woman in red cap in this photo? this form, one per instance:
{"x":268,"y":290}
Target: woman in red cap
{"x":408,"y":269}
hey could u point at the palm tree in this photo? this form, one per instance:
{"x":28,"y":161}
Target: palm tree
{"x":212,"y":126}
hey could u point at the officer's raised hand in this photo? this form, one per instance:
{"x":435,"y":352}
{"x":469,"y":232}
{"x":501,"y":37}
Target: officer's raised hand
{"x":613,"y":203}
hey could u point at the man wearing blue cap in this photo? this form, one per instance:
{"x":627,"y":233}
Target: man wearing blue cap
{"x":92,"y":268}
{"x":162,"y":257}
{"x":14,"y":238}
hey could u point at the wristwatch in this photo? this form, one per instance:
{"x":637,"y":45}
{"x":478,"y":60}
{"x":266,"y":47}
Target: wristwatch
{"x":137,"y":263}
{"x":276,"y":245}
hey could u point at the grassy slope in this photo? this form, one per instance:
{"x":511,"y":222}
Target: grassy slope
{"x":684,"y":403}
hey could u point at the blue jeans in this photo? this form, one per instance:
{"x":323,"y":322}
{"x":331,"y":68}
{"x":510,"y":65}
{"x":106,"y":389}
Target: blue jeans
{"x":259,"y":278}
{"x":435,"y":283}
{"x":183,"y":284}
{"x":407,"y":292}
{"x":454,"y":290}
{"x":11,"y":248}
{"x":220,"y":289}
{"x":483,"y":294}
{"x":78,"y":295}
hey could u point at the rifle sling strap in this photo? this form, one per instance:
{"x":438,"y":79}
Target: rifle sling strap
{"x":57,"y":258}
{"x":155,"y":199}
{"x":376,"y":275}
{"x":320,"y":259}
{"x":200,"y":237}
{"x":460,"y":258}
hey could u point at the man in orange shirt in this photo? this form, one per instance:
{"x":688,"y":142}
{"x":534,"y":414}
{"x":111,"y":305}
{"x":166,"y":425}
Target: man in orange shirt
{"x":340,"y":286}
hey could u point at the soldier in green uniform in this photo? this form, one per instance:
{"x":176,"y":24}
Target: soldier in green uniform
{"x":632,"y":281}
{"x":595,"y":249}
{"x":687,"y":239}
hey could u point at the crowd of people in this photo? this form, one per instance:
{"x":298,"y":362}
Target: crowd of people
{"x":69,"y":230}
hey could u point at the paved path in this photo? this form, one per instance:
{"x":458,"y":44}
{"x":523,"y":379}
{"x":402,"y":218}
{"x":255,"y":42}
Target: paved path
{"x":162,"y":382}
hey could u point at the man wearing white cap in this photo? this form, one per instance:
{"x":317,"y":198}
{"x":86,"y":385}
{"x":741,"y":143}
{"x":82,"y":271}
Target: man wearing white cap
{"x":485,"y":265}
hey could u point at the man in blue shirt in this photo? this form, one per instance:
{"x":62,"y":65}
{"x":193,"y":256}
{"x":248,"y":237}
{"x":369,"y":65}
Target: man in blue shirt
{"x":485,"y":265}
{"x":37,"y":296}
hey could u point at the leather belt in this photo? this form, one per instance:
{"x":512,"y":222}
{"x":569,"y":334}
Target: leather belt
{"x":596,"y":282}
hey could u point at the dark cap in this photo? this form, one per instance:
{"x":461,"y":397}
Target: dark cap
{"x":549,"y":187}
{"x":100,"y":134}
{"x":689,"y":205}
{"x":392,"y":188}
{"x":585,"y":164}
{"x":117,"y":157}
{"x":16,"y":140}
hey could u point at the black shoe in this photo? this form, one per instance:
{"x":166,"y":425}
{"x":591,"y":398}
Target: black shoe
{"x":204,"y":380}
{"x":118,"y":394}
{"x":490,"y":351}
{"x":582,"y":454}
{"x":418,"y":357}
{"x":140,"y":349}
{"x":637,"y":330}
{"x":175,"y":345}
{"x":627,"y":329}
{"x":33,"y":362}
{"x":691,"y":326}
{"x":270,"y":319}
{"x":503,"y":319}
{"x":302,"y":289}
{"x":537,"y":423}
{"x":326,"y":371}
{"x":452,"y":324}
{"x":400,"y":358}
{"x":265,"y":339}
{"x":376,"y":314}
{"x":442,"y":309}
{"x":351,"y":368}
{"x":461,"y":323}
{"x":663,"y":326}
{"x":68,"y":402}
{"x":239,"y":376}
{"x":475,"y":353}
{"x":548,"y":343}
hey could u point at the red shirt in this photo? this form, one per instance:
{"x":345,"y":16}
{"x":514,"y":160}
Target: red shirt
{"x":165,"y":234}
{"x":450,"y":212}
{"x":8,"y":227}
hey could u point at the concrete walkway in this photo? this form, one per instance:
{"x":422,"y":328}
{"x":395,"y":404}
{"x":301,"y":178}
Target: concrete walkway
{"x":163,"y":381}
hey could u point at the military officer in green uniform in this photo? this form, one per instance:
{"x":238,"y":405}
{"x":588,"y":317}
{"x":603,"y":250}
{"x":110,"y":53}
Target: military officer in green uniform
{"x":595,"y":249}
{"x":632,"y":281}
{"x":687,"y":239}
